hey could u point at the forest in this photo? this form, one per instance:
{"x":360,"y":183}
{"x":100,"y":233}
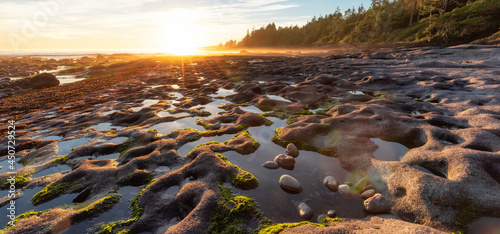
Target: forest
{"x":439,"y":22}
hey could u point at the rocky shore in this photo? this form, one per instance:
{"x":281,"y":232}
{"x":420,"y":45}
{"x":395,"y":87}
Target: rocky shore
{"x":238,"y":143}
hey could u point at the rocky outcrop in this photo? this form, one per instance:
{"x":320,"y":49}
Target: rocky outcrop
{"x":44,"y":80}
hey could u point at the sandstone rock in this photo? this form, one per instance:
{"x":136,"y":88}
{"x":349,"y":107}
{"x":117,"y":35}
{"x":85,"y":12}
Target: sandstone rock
{"x":305,"y":211}
{"x":378,"y":204}
{"x":290,"y":184}
{"x":344,"y":190}
{"x":270,"y":165}
{"x":292,"y":150}
{"x":331,"y":213}
{"x":44,"y":80}
{"x":368,"y":193}
{"x":331,"y":183}
{"x":285,"y":161}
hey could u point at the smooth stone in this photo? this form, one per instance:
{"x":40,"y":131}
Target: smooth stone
{"x":305,"y":211}
{"x":361,"y":184}
{"x":290,"y":184}
{"x":378,"y":204}
{"x":368,"y":187}
{"x":292,"y":150}
{"x":285,"y":161}
{"x":345,"y":190}
{"x":368,"y":193}
{"x":331,"y":213}
{"x":322,"y":216}
{"x":331,"y":183}
{"x":271,"y":165}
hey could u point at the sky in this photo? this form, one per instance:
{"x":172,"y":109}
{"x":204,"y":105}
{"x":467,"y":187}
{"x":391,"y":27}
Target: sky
{"x":147,"y":24}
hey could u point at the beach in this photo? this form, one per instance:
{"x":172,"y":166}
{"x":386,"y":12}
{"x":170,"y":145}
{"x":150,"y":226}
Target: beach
{"x":408,"y":137}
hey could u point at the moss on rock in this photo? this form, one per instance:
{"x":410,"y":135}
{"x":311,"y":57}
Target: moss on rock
{"x":230,"y":213}
{"x":52,"y":191}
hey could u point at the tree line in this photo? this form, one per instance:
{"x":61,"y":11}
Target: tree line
{"x":433,"y":21}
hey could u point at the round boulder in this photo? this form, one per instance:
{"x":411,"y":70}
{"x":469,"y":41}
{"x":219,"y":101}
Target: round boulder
{"x":292,"y":150}
{"x":270,"y":165}
{"x":305,"y":211}
{"x":331,"y":183}
{"x":290,"y":184}
{"x":44,"y":80}
{"x":378,"y":204}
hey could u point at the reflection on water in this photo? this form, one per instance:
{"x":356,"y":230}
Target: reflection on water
{"x":278,"y":98}
{"x":52,"y":170}
{"x":485,"y":225}
{"x":188,"y":122}
{"x":23,"y":204}
{"x":310,"y":170}
{"x":120,"y":211}
{"x":389,"y":151}
{"x":146,"y":103}
{"x":5,"y":165}
{"x":66,"y":146}
{"x":49,"y":138}
{"x":106,"y":127}
{"x":186,"y":148}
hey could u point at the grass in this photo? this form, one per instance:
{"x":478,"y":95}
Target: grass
{"x":228,"y":216}
{"x":52,"y":191}
{"x":277,"y":228}
{"x":243,"y":179}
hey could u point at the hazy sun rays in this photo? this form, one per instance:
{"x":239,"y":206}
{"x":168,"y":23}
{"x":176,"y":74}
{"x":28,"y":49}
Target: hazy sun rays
{"x":180,"y":35}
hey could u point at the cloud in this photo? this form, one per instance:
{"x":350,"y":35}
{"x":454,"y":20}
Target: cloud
{"x":73,"y":19}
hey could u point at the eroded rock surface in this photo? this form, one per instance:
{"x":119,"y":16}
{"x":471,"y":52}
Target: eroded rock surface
{"x":127,"y":122}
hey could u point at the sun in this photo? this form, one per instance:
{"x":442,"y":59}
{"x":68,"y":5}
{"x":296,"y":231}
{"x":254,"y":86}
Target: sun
{"x":180,"y":34}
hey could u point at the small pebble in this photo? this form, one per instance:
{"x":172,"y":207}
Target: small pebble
{"x":331,"y":213}
{"x":292,"y":150}
{"x":368,"y":193}
{"x":270,"y":165}
{"x":345,"y":190}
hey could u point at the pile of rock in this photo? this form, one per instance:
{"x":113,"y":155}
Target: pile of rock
{"x":374,"y":202}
